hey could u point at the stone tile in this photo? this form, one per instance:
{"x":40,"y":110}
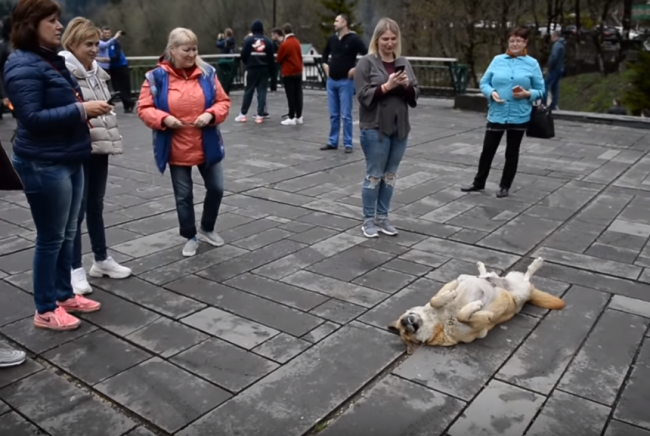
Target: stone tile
{"x":140,"y":431}
{"x":290,"y":264}
{"x":150,"y":296}
{"x":354,"y":294}
{"x":62,"y":409}
{"x":163,"y":394}
{"x":447,"y":212}
{"x":452,"y":269}
{"x":539,"y":363}
{"x":599,"y":369}
{"x":225,"y":365}
{"x":618,"y":428}
{"x":520,"y":235}
{"x":589,"y":263}
{"x":337,"y":243}
{"x":119,"y":316}
{"x":499,"y":409}
{"x":424,"y":258}
{"x":150,"y":244}
{"x":156,"y":260}
{"x":39,"y":340}
{"x":407,"y":267}
{"x":385,"y":280}
{"x":463,"y":370}
{"x":17,"y":262}
{"x":632,"y":405}
{"x":4,"y":408}
{"x":622,"y":240}
{"x":609,"y":252}
{"x":630,"y":228}
{"x":567,"y":414}
{"x":12,"y":424}
{"x":248,"y":229}
{"x":351,"y":263}
{"x":291,"y":399}
{"x":338,"y":311}
{"x":166,"y":337}
{"x":457,"y":250}
{"x":630,"y":305}
{"x":250,"y":306}
{"x":550,"y":213}
{"x":313,"y":235}
{"x":15,"y":373}
{"x":13,"y":244}
{"x":575,"y":237}
{"x":282,"y":348}
{"x":247,"y":334}
{"x":16,"y":304}
{"x":397,"y":407}
{"x":263,"y":239}
{"x":547,"y":285}
{"x":321,"y":332}
{"x":604,"y":209}
{"x":329,"y":221}
{"x":96,"y":356}
{"x":386,"y":245}
{"x":468,"y":236}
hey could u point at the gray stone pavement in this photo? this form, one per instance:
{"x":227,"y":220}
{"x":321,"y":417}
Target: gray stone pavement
{"x":282,"y":330}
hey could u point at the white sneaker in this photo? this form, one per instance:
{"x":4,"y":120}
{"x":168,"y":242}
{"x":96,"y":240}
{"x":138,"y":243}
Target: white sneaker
{"x":190,"y":247}
{"x":241,"y":118}
{"x":289,"y":122}
{"x":299,"y":120}
{"x":259,"y":119}
{"x":211,"y":238}
{"x":79,"y":282}
{"x":109,"y":268}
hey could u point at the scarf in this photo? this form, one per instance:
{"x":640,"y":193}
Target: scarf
{"x":512,"y":55}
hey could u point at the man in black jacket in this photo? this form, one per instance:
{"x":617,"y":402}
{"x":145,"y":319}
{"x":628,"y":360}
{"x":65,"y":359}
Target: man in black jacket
{"x":257,"y":55}
{"x":339,"y":60}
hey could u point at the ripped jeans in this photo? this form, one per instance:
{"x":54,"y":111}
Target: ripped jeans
{"x":383,"y":156}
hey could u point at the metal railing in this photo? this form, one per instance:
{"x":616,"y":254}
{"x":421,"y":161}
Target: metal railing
{"x":436,"y":76}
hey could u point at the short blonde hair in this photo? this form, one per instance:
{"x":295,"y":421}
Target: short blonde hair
{"x":77,"y":31}
{"x":182,"y":36}
{"x":382,"y":26}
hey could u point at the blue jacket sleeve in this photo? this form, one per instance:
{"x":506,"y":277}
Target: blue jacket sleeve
{"x":486,"y":81}
{"x":25,"y":89}
{"x":538,"y":87}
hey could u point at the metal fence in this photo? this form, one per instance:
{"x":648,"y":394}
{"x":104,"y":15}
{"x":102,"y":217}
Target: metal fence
{"x":436,"y":76}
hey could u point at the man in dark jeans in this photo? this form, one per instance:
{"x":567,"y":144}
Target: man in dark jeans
{"x":119,"y":70}
{"x":555,"y":69}
{"x":277,"y":36}
{"x":257,"y":56}
{"x":343,"y":47}
{"x":290,"y":57}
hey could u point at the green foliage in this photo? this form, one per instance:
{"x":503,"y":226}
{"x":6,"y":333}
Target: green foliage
{"x":637,"y":97}
{"x":334,"y":8}
{"x":592,"y":92}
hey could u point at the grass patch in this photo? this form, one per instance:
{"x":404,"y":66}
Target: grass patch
{"x":592,"y":92}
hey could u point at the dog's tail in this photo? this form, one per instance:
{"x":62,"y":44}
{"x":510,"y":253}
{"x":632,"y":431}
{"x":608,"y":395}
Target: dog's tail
{"x":533,"y":267}
{"x":545,"y":300}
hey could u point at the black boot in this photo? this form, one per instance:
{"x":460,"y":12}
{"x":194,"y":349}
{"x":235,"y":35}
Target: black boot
{"x":472,"y":188}
{"x":503,"y":192}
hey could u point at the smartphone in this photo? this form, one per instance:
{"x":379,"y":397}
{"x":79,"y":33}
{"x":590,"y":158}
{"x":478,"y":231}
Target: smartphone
{"x":399,"y":69}
{"x":111,"y":101}
{"x":517,"y":89}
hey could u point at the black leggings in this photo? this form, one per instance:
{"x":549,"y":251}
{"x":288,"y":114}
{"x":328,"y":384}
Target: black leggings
{"x":293,"y":88}
{"x":491,"y":143}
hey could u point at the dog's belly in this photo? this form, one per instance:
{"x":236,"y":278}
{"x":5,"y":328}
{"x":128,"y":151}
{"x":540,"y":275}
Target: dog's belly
{"x":472,"y":288}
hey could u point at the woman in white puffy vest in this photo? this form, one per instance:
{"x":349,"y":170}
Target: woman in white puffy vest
{"x":81,"y":43}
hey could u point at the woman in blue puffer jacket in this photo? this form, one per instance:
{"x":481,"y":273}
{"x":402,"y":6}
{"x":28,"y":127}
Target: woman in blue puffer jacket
{"x":52,"y":141}
{"x":512,"y":83}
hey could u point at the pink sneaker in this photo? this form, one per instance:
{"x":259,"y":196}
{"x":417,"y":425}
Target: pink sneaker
{"x":59,"y":320}
{"x":79,"y":304}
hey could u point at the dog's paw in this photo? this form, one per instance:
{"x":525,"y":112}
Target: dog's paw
{"x":481,"y":268}
{"x":477,"y":305}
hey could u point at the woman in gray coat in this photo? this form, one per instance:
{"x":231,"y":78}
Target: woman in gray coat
{"x":386,"y":86}
{"x":81,"y":43}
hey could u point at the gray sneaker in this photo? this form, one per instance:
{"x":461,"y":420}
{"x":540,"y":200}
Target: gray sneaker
{"x":190,"y":247}
{"x":369,"y":229}
{"x":384,"y":226}
{"x":10,"y":357}
{"x":211,"y":238}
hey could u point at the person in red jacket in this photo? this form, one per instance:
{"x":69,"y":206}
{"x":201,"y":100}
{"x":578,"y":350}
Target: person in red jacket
{"x":290,"y":57}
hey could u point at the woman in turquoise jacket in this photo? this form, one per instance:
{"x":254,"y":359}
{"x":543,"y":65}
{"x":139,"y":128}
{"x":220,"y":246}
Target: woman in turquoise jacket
{"x":512,"y":82}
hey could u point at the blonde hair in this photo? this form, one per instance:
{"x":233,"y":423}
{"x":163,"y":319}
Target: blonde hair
{"x":182,"y":36}
{"x":382,"y":26}
{"x":77,"y":31}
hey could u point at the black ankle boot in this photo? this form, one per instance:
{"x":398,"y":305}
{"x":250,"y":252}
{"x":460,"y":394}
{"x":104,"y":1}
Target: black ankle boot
{"x":471,"y":188}
{"x":503,"y":192}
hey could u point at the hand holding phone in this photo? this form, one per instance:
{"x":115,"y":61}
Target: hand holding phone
{"x":399,"y":69}
{"x":517,"y":89}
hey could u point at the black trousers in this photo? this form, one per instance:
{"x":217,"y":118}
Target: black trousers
{"x":293,"y":88}
{"x":121,"y":79}
{"x":493,"y":135}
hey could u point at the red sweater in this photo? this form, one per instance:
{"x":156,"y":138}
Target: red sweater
{"x":290,"y":56}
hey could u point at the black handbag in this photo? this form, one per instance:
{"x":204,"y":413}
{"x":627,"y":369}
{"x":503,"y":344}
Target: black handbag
{"x":541,"y":123}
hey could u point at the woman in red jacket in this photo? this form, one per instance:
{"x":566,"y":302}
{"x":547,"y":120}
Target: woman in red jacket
{"x":184,"y":108}
{"x":290,"y":57}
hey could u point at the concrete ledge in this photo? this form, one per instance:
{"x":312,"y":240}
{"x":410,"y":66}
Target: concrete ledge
{"x":471,"y":101}
{"x":596,"y":118}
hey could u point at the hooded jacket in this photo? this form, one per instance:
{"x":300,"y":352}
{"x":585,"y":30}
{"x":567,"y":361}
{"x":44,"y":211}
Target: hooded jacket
{"x":104,"y":134}
{"x":257,"y":51}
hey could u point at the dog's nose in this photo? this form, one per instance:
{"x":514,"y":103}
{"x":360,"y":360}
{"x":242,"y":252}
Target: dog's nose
{"x":405,"y":321}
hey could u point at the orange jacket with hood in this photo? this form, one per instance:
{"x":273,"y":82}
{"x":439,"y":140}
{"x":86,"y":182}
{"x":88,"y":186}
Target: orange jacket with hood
{"x":186,"y":103}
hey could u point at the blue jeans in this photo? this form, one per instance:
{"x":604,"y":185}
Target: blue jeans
{"x":92,"y":208}
{"x":54,"y":194}
{"x":552,"y":83}
{"x":339,"y":100}
{"x":184,"y":195}
{"x":383,"y":156}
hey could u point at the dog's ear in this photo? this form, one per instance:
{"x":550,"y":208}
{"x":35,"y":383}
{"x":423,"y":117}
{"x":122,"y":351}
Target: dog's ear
{"x":394,"y":327}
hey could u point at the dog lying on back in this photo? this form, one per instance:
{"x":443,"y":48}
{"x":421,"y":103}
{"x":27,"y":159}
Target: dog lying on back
{"x":470,"y":306}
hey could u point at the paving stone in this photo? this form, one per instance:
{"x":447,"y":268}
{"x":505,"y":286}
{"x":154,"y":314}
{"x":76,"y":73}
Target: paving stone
{"x":539,"y":363}
{"x":547,"y":285}
{"x":336,"y":289}
{"x":62,"y":409}
{"x":630,"y":305}
{"x":457,"y":250}
{"x":297,"y":227}
{"x":397,"y":407}
{"x":163,"y":394}
{"x":156,"y":260}
{"x":321,"y":332}
{"x":290,"y":264}
{"x":17,"y":262}
{"x":630,"y":228}
{"x":40,"y":340}
{"x":622,"y":240}
{"x":263,"y":239}
{"x":618,"y":428}
{"x":589,"y":263}
{"x":150,"y":296}
{"x":499,"y":409}
{"x":13,"y":244}
{"x":599,"y":369}
{"x":247,"y":334}
{"x":16,"y":304}
{"x":12,"y":424}
{"x":338,"y":311}
{"x":549,"y":213}
{"x":407,"y":267}
{"x":567,"y":414}
{"x":119,"y":316}
{"x":452,"y":269}
{"x":385,"y":245}
{"x":151,"y":244}
{"x":140,"y":431}
{"x":351,"y":263}
{"x":282,"y":348}
{"x":520,"y":235}
{"x":225,"y":365}
{"x":4,"y":408}
{"x":468,"y":236}
{"x":337,"y":243}
{"x":166,"y":337}
{"x":385,"y":280}
{"x":609,"y":252}
{"x":291,"y":399}
{"x":424,"y":258}
{"x":604,"y":209}
{"x":632,"y":406}
{"x":575,"y":237}
{"x":447,"y":212}
{"x":329,"y":221}
{"x":96,"y":356}
{"x":15,"y":373}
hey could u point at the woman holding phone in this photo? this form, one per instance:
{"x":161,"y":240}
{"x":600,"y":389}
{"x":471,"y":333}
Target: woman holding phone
{"x":512,"y":82}
{"x":386,"y":86}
